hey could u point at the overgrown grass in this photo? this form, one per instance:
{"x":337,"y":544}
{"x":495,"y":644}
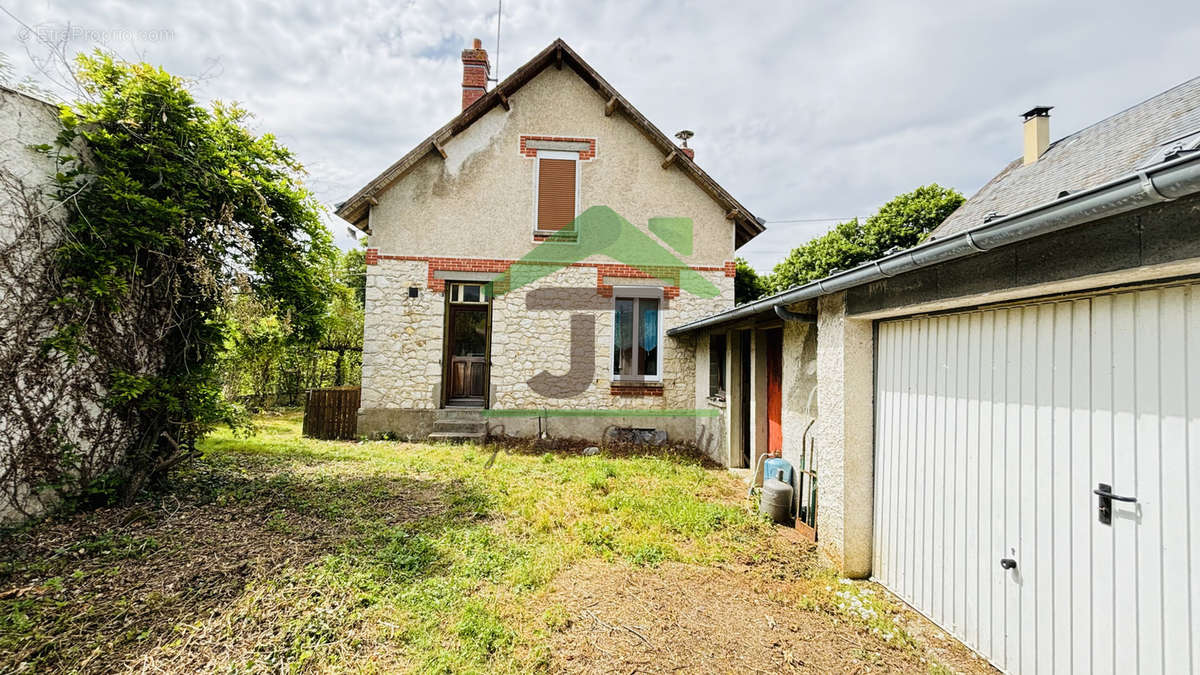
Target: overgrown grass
{"x":297,"y":554}
{"x":422,"y":548}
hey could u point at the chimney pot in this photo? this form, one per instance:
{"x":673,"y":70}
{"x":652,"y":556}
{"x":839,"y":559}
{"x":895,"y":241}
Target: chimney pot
{"x":476,"y":71}
{"x":1037,"y":133}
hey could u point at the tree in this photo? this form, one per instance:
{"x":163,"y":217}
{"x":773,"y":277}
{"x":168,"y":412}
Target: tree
{"x":266,"y":363}
{"x":169,"y":207}
{"x":747,"y":284}
{"x":904,"y":221}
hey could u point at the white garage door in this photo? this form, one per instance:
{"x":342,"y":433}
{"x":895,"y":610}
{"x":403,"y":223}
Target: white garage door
{"x":993,"y":429}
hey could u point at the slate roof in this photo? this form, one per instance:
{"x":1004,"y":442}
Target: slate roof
{"x":1133,"y":139}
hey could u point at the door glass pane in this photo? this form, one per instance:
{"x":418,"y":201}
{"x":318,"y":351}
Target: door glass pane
{"x":470,"y":333}
{"x":470,"y":294}
{"x":623,"y":338}
{"x":647,"y":336}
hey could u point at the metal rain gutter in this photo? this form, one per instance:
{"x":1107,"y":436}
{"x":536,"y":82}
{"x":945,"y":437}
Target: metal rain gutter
{"x":1164,"y":182}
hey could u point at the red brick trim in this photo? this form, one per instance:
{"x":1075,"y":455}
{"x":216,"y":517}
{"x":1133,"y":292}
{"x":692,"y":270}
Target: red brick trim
{"x":635,"y":389}
{"x":499,"y":265}
{"x":730,"y":269}
{"x":584,"y":155}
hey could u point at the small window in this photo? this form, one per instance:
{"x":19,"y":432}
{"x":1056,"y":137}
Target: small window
{"x":556,"y":190}
{"x":468,"y":293}
{"x":716,"y":366}
{"x":635,"y":339}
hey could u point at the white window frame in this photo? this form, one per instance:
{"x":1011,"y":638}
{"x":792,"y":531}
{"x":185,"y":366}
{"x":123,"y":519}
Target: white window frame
{"x":455,"y":292}
{"x":636,"y":293}
{"x":537,"y":166}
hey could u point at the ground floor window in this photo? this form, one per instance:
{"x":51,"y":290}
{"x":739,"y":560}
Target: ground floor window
{"x":636,"y":339}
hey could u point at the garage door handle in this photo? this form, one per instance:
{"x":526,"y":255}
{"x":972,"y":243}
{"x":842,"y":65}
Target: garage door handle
{"x":1108,"y":495}
{"x":1104,"y":504}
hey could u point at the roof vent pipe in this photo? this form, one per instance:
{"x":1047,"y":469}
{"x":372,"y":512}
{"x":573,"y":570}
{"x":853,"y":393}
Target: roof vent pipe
{"x":1037,"y":133}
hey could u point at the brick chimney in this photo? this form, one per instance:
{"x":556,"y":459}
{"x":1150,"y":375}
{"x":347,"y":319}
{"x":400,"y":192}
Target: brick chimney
{"x":476,"y":71}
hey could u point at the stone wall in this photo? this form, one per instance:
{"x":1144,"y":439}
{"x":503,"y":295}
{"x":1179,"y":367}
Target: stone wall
{"x":534,"y":365}
{"x":54,"y":425}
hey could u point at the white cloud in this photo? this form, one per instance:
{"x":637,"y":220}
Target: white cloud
{"x":801,"y":110}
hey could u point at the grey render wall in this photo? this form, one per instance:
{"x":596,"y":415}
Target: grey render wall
{"x":1133,"y":246}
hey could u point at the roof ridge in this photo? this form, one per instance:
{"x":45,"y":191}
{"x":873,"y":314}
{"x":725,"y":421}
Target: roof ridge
{"x":1125,"y":110}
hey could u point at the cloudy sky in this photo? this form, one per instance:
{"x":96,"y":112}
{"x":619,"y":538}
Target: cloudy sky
{"x":808,"y":110}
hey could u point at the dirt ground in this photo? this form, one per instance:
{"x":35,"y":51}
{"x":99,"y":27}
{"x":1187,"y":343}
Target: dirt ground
{"x":689,"y":619}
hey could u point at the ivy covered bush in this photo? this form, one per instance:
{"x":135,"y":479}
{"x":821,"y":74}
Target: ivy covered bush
{"x":161,"y":206}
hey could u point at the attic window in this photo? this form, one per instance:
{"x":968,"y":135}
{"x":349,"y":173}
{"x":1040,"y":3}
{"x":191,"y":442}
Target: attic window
{"x":556,"y":186}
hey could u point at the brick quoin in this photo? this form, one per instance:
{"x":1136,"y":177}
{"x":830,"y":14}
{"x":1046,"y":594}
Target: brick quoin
{"x":627,"y":390}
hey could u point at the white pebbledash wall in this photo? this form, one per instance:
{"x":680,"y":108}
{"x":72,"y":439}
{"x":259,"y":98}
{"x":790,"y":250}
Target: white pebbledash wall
{"x":477,"y":204}
{"x":845,"y":445}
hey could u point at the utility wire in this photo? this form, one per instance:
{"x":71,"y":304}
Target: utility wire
{"x":813,"y":220}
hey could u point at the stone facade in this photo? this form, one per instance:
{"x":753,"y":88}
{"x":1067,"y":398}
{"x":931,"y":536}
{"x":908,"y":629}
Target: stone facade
{"x":470,"y":215}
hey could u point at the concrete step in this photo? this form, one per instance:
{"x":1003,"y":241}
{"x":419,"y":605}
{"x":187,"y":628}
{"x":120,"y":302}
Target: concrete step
{"x":459,"y":425}
{"x":472,"y":414}
{"x":458,"y":436}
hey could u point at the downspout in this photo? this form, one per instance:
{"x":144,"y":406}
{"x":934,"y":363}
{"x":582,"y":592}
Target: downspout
{"x":788,"y":315}
{"x":1164,"y":182}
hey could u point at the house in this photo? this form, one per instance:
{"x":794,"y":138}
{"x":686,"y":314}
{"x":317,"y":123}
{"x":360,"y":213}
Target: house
{"x":1006,"y":427}
{"x":525,"y":259}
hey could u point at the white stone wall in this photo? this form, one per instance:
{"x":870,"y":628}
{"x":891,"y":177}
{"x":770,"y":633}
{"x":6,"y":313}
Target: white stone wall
{"x":403,"y":348}
{"x":45,"y":404}
{"x":402,"y":345}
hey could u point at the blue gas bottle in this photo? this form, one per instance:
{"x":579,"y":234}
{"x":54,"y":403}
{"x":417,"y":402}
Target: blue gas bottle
{"x":773,"y":465}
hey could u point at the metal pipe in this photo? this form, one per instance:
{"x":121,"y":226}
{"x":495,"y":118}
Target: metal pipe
{"x":1164,"y":182}
{"x":788,"y":315}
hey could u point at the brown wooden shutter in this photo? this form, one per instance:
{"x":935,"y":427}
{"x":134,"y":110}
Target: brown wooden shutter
{"x":556,"y":193}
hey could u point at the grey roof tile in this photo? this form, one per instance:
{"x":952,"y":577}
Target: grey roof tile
{"x":1130,"y":140}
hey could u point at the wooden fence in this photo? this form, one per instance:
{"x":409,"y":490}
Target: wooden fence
{"x":332,"y":414}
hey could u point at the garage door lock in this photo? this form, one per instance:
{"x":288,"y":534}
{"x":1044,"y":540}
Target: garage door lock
{"x":1104,"y":491}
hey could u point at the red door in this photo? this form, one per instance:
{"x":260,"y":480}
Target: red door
{"x":775,"y":391}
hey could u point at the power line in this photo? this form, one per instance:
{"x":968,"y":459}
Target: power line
{"x":812,"y":220}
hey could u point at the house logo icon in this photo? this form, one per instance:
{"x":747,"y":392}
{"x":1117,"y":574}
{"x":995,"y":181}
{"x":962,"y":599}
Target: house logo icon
{"x":602,"y":231}
{"x":598,"y":231}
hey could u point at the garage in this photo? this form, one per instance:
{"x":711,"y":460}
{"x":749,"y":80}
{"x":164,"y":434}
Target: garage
{"x":1033,"y":465}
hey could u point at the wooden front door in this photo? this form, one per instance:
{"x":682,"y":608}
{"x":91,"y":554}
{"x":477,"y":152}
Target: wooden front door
{"x":775,"y":391}
{"x":467,"y":371}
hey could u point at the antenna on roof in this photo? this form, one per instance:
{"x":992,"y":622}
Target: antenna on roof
{"x":499,"y":13}
{"x":684,"y":135}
